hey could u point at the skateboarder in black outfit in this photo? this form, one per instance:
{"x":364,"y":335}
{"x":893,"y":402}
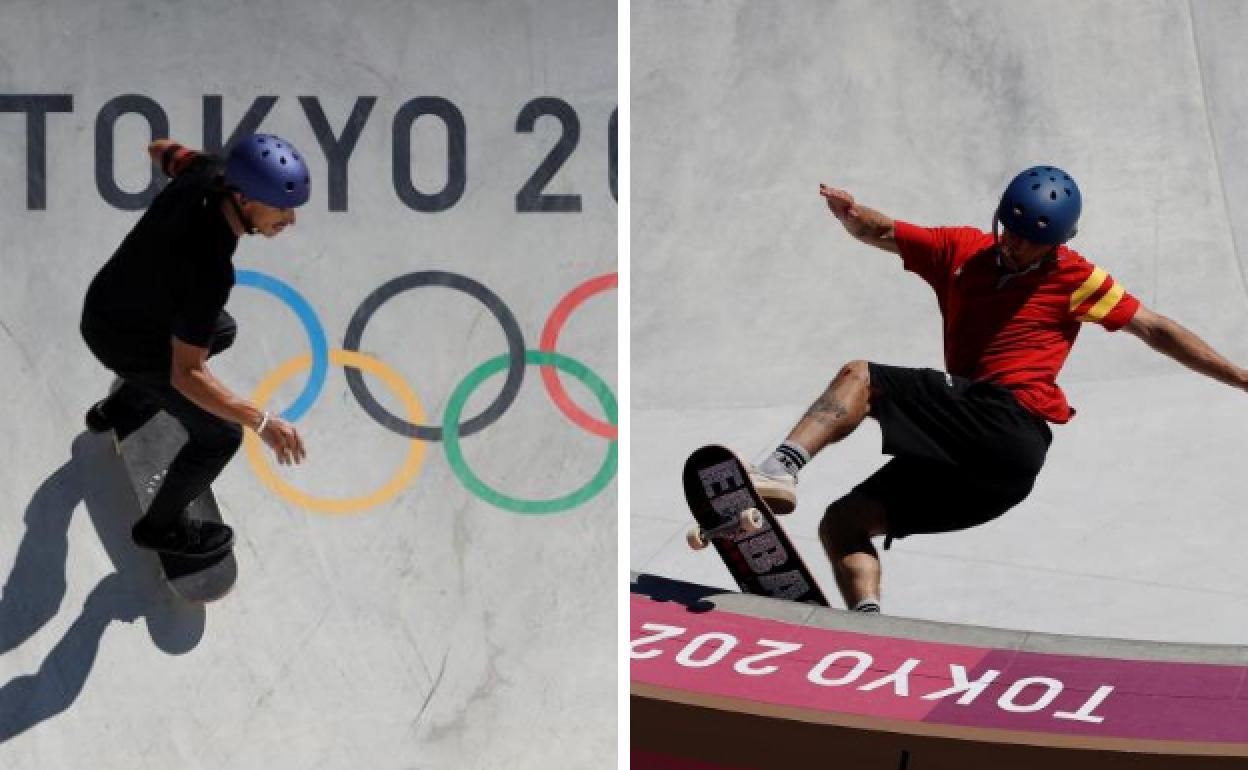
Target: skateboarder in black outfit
{"x":156,"y":311}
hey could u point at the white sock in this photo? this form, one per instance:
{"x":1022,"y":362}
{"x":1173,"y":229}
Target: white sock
{"x":788,"y":458}
{"x":867,"y":605}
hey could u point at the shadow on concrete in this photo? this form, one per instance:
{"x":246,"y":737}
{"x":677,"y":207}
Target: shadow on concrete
{"x":35,"y":588}
{"x":695,"y":598}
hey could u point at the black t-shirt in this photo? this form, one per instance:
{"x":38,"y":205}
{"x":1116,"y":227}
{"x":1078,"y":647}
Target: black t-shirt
{"x":170,"y":277}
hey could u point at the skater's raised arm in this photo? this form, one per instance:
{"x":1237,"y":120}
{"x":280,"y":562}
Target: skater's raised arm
{"x":1166,"y":335}
{"x":169,"y":156}
{"x":190,"y":377}
{"x":867,"y":225}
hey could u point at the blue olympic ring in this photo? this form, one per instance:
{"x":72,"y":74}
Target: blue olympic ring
{"x":316,"y":336}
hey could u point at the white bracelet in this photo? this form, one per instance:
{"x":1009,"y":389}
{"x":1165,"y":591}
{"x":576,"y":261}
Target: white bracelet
{"x":264,"y":421}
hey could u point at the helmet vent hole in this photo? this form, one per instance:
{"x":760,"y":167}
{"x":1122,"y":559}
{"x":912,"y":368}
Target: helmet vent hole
{"x":264,"y":154}
{"x":1068,"y":193}
{"x":1052,"y":195}
{"x":282,"y":160}
{"x":1036,"y":186}
{"x":260,"y":139}
{"x":290,"y":187}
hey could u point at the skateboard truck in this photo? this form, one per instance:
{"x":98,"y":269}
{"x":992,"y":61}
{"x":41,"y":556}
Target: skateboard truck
{"x":746,"y":522}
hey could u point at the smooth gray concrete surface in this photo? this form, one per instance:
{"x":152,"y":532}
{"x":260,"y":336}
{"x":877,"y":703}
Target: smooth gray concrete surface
{"x":433,"y":630}
{"x":748,"y":296}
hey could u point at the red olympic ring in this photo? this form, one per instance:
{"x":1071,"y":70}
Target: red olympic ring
{"x":550,"y":335}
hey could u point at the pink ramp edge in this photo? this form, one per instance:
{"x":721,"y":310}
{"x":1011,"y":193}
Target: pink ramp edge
{"x":767,"y":661}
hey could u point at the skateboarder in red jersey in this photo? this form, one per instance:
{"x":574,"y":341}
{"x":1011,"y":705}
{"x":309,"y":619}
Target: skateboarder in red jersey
{"x":156,"y":311}
{"x":968,"y":443}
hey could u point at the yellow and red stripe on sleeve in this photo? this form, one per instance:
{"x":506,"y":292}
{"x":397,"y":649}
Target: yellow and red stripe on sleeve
{"x":1100,"y":299}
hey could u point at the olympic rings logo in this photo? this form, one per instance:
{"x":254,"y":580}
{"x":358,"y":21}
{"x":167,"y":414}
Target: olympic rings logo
{"x":452,"y":428}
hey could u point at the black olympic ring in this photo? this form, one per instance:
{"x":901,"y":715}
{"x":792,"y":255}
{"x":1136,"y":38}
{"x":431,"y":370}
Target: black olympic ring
{"x":511,"y":330}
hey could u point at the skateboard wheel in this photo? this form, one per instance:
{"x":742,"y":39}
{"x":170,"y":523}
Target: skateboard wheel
{"x":695,"y":540}
{"x":751,"y":520}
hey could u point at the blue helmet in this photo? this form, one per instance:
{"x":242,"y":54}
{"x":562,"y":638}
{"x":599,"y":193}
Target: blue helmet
{"x":1042,"y":204}
{"x":268,"y":169}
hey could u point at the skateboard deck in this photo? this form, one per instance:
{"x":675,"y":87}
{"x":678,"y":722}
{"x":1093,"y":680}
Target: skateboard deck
{"x":731,"y":515}
{"x":146,"y":455}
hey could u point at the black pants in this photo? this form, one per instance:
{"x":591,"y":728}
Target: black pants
{"x":211,"y":441}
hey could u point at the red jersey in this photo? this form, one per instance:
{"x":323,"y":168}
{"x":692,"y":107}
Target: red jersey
{"x":1014,"y":330}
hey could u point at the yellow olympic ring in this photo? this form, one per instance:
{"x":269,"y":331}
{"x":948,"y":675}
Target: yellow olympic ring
{"x":255,"y":447}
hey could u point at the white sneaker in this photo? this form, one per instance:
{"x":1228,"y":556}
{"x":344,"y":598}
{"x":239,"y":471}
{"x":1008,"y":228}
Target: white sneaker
{"x":778,"y":491}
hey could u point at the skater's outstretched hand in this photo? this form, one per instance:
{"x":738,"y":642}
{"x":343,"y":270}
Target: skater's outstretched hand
{"x":284,"y":440}
{"x":839,"y":201}
{"x":867,"y":225}
{"x":841,"y":204}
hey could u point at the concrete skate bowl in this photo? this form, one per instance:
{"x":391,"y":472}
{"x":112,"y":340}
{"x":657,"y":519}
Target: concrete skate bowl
{"x":440,"y":327}
{"x":747,"y":296}
{"x":729,"y":681}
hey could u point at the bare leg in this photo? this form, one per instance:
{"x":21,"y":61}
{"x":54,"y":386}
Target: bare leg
{"x":837,"y":412}
{"x":846,"y":531}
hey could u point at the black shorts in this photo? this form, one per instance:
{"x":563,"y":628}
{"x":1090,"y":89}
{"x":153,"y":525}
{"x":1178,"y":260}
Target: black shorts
{"x":963,"y":452}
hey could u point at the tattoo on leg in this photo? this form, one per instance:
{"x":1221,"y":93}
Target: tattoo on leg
{"x":827,"y":410}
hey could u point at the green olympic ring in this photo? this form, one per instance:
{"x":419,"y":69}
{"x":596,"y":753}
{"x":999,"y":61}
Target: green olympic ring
{"x":454,"y":456}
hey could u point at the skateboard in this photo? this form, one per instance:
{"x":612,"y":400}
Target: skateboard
{"x":730,"y":514}
{"x":146,"y":455}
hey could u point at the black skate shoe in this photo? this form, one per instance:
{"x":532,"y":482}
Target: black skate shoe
{"x":194,"y":538}
{"x":121,"y":418}
{"x":97,"y":421}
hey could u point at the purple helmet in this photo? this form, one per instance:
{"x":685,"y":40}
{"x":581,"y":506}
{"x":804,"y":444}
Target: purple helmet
{"x":268,"y":169}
